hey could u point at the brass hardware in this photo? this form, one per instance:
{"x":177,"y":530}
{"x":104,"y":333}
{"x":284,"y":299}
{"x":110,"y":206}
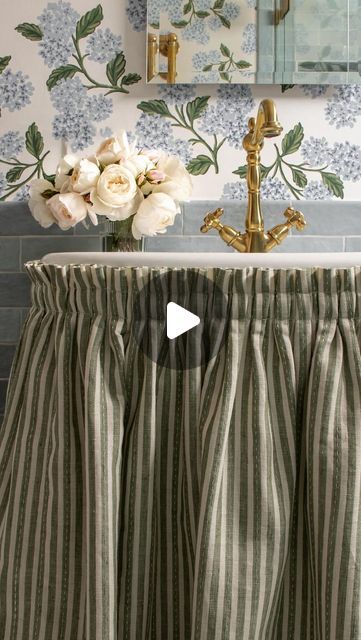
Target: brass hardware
{"x":255,"y":239}
{"x":229,"y":235}
{"x":279,"y":232}
{"x":169,"y":47}
{"x":151,"y":56}
{"x":281,"y":13}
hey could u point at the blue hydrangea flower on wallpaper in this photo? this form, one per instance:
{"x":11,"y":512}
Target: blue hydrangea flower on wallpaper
{"x":87,"y":70}
{"x":344,"y":106}
{"x":103,"y":45}
{"x":57,"y":23}
{"x":11,"y":144}
{"x":78,"y":112}
{"x":15,"y":90}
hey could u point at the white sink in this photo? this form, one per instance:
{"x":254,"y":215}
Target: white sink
{"x":154,"y":259}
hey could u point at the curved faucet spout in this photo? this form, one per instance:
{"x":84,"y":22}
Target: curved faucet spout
{"x":267,"y":124}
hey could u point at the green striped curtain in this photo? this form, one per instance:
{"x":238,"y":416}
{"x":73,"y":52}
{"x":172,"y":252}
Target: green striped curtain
{"x":215,"y":503}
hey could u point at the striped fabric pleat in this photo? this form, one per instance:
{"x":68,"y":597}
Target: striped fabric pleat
{"x":223,"y":502}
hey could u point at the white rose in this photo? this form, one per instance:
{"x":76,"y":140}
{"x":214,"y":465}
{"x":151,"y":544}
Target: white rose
{"x":65,"y":165}
{"x":177,"y":183}
{"x":154,"y":214}
{"x":115,"y":213}
{"x":114,"y":149}
{"x":37,"y":204}
{"x":85,"y":176}
{"x":116,"y":186}
{"x":68,"y":209}
{"x":138,"y":164}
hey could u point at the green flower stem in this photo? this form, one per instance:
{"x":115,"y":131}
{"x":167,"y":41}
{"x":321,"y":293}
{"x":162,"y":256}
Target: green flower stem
{"x":38,"y":170}
{"x":303,"y":166}
{"x":192,"y":14}
{"x":296,"y":192}
{"x":94,"y":83}
{"x":20,"y":184}
{"x":183,"y":124}
{"x":16,"y":164}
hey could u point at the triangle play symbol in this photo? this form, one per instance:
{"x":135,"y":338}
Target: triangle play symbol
{"x":179,"y":320}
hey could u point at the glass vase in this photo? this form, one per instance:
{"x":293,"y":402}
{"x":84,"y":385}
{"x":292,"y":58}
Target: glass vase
{"x":117,"y":236}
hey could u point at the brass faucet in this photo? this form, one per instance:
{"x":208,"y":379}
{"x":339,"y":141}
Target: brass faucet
{"x":255,"y":239}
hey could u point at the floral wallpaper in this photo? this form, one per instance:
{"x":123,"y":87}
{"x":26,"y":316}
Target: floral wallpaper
{"x":217,"y":38}
{"x":73,"y":72}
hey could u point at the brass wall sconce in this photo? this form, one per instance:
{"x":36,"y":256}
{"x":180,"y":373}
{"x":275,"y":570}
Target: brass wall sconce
{"x":168,"y":47}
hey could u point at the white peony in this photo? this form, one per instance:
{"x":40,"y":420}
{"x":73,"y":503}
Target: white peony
{"x":116,"y":194}
{"x":85,"y":176}
{"x":114,"y":149}
{"x":65,"y":165}
{"x":155,"y":213}
{"x":38,"y":204}
{"x":68,"y":209}
{"x":177,"y":183}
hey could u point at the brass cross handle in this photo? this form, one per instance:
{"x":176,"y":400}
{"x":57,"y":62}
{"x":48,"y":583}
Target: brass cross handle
{"x":295,"y":218}
{"x":211,"y":220}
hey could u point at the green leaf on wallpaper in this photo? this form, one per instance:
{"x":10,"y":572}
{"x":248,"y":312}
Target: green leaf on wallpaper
{"x":187,"y":8}
{"x":202,"y":14}
{"x":199,"y":165}
{"x":264,"y":171}
{"x":225,"y":76}
{"x":298,"y":177}
{"x":208,"y":67}
{"x":225,"y":51}
{"x":225,"y":22}
{"x":131,"y":78}
{"x":292,"y":140}
{"x":218,"y":4}
{"x":115,"y":68}
{"x":61,"y":73}
{"x":333,"y":183}
{"x":4,"y":62}
{"x":243,"y":64}
{"x":30,"y":31}
{"x":34,"y":141}
{"x":154,"y":107}
{"x":241,"y":171}
{"x":89,"y":22}
{"x":179,"y":24}
{"x":196,"y":107}
{"x":15,"y":173}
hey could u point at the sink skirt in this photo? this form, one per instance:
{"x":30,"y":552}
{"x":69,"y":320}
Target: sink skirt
{"x":219,"y":502}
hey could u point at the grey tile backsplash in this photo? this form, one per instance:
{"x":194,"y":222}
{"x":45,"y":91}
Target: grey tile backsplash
{"x":331,"y":226}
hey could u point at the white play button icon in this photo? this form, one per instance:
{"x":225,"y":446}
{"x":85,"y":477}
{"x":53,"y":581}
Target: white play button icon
{"x":179,"y":320}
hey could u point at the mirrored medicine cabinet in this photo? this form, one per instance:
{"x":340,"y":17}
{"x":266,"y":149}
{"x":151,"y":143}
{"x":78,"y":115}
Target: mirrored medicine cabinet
{"x":254,"y":41}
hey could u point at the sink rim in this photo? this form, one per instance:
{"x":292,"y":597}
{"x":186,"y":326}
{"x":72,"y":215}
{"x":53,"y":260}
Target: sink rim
{"x":206,"y":260}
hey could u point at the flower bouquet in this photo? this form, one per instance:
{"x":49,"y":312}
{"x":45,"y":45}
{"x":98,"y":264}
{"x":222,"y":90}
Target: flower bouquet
{"x":138,"y":191}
